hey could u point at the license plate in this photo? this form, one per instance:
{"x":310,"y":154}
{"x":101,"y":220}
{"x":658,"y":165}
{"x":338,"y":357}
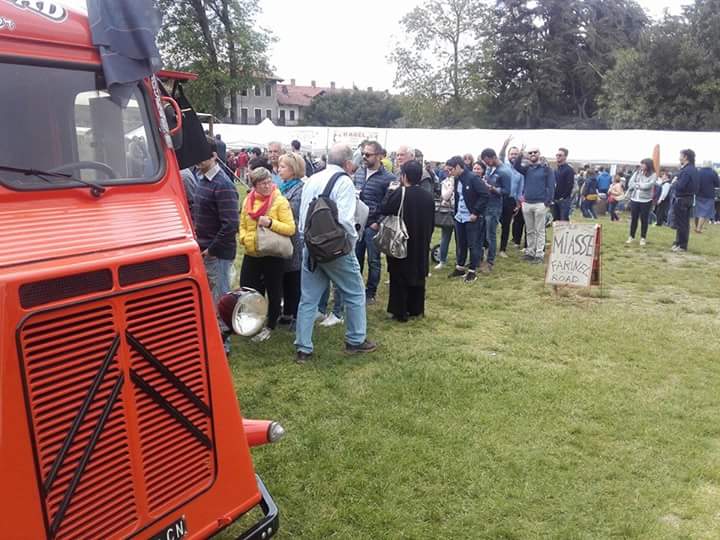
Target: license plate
{"x":175,"y":531}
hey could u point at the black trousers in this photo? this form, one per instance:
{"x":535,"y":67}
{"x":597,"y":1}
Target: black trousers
{"x":518,"y":225}
{"x":265,"y":274}
{"x":639,"y":210}
{"x":405,"y":300}
{"x":505,"y":221}
{"x":291,"y":293}
{"x":661,"y":211}
{"x":681,"y":212}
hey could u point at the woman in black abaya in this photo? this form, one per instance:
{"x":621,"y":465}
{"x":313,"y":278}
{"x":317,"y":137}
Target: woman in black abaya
{"x":407,"y":276}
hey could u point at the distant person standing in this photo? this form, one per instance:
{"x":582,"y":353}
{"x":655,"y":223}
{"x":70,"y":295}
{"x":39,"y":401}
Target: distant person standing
{"x":615,"y":194}
{"x":686,"y":187}
{"x":498,"y":180}
{"x":309,"y":167}
{"x":603,"y":180}
{"x":589,"y":194}
{"x":407,"y":276}
{"x":275,"y":150}
{"x":537,"y":197}
{"x":663,"y":201}
{"x":640,"y":194}
{"x":512,"y":218}
{"x":371,"y":182}
{"x":705,"y":201}
{"x":221,"y":148}
{"x":564,"y":183}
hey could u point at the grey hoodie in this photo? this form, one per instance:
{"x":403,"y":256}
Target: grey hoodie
{"x":641,"y":187}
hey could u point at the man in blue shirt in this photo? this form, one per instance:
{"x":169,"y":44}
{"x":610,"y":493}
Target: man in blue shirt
{"x":498,"y":180}
{"x":603,"y":181}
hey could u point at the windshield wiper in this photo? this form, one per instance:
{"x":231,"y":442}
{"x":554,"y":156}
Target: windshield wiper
{"x":95,"y":189}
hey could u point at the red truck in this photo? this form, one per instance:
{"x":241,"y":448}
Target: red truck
{"x":118,"y":415}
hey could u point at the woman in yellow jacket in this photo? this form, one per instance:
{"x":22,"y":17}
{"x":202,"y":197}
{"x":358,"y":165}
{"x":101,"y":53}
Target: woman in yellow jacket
{"x":264,"y":207}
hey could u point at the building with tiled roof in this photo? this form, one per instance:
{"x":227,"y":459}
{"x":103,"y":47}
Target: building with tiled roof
{"x":281,"y":103}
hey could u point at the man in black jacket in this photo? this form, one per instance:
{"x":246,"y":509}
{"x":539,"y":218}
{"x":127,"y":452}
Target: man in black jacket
{"x":471,"y":198}
{"x":564,"y":183}
{"x":686,"y":187}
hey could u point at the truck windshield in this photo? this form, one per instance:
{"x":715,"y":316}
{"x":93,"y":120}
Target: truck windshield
{"x":63,"y":120}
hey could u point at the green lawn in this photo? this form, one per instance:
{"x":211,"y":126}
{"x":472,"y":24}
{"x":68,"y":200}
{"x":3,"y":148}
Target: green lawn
{"x":509,"y":411}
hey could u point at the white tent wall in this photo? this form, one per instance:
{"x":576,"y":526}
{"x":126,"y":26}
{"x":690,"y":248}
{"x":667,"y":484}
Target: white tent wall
{"x":596,"y":147}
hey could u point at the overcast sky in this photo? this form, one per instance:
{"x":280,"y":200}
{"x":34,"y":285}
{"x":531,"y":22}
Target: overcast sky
{"x":346,"y":41}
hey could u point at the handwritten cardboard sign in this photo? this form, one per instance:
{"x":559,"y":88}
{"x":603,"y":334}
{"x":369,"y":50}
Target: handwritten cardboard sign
{"x":574,"y":255}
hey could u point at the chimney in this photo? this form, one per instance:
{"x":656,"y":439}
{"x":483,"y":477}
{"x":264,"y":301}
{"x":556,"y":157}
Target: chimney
{"x":332,"y":85}
{"x":292,"y":82}
{"x":312,"y":83}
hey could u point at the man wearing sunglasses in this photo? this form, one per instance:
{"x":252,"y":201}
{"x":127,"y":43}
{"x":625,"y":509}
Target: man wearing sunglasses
{"x":537,"y":195}
{"x":371,"y":182}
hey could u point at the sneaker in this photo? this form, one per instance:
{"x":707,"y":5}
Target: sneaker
{"x":528,"y":258}
{"x":302,"y":357}
{"x":370,"y":301}
{"x":502,"y":254}
{"x":285,"y":320}
{"x":537,"y":260}
{"x":458,"y":272}
{"x":642,"y":242}
{"x":629,"y":240}
{"x":439,"y":266}
{"x":331,"y":320}
{"x":263,"y":335}
{"x":364,"y":347}
{"x":470,"y":276}
{"x":320,"y":316}
{"x":675,"y":248}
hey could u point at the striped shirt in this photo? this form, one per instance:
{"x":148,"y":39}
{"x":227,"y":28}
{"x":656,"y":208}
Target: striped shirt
{"x":216,"y":214}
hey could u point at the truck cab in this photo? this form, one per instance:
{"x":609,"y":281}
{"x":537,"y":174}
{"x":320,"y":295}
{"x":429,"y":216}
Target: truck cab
{"x":118,"y":415}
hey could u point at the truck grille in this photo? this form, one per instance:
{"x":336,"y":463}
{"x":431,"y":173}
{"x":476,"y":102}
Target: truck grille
{"x":119,"y":410}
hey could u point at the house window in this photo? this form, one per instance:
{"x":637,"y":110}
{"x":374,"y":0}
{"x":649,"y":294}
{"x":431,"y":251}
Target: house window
{"x":244,"y":92}
{"x":268,"y":90}
{"x":282,"y":117}
{"x":257,"y":91}
{"x":258,"y":116}
{"x":243,"y":116}
{"x":292,"y":116}
{"x":268,"y":114}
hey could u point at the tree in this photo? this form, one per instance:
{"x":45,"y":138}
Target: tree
{"x":437,"y":63}
{"x":217,"y":40}
{"x":671,"y":80}
{"x":353,"y":108}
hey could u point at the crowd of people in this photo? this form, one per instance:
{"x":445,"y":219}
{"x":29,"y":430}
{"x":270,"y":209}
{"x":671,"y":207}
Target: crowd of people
{"x":515,"y":189}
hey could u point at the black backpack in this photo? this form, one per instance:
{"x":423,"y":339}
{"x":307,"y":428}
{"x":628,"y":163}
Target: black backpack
{"x":325,"y":238}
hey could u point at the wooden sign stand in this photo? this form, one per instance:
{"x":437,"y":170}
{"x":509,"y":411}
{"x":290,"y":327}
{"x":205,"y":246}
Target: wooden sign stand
{"x":575,"y":256}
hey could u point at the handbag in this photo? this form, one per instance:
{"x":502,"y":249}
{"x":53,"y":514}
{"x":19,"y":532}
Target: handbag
{"x":271,"y":244}
{"x":443,"y":215}
{"x":391,"y":239}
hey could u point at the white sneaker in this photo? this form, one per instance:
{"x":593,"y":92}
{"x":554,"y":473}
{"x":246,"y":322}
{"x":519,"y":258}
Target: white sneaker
{"x":502,"y":254}
{"x":642,"y":242}
{"x":629,"y":240}
{"x":263,"y":335}
{"x":439,"y":266}
{"x":332,"y":320}
{"x":320,"y":316}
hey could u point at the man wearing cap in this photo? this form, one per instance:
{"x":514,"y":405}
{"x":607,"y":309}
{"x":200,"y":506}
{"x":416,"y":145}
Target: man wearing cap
{"x":537,"y":195}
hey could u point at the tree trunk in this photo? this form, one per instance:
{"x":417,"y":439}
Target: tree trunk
{"x":202,"y":19}
{"x":226,"y":19}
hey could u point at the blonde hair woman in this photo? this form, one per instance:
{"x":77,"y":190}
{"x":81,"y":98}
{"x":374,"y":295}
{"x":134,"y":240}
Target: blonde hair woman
{"x":265,"y":207}
{"x":291,"y":169}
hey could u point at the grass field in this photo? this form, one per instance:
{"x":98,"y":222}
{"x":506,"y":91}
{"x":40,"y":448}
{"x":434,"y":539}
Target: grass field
{"x":509,"y":411}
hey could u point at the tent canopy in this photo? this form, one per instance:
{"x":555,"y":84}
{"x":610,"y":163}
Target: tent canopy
{"x":585,"y":146}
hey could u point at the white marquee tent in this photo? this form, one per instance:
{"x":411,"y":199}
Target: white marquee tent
{"x":596,"y":147}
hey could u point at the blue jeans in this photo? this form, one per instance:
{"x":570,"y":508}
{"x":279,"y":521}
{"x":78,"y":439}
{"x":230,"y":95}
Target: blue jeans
{"x":588,"y":209}
{"x":561,"y":209}
{"x":218,"y":273}
{"x":492,"y":218}
{"x":445,"y":237}
{"x":365,"y":242}
{"x":338,"y":304}
{"x":344,"y":272}
{"x":469,"y":237}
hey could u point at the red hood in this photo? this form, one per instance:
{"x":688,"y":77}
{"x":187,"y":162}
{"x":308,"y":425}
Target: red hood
{"x":45,"y":30}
